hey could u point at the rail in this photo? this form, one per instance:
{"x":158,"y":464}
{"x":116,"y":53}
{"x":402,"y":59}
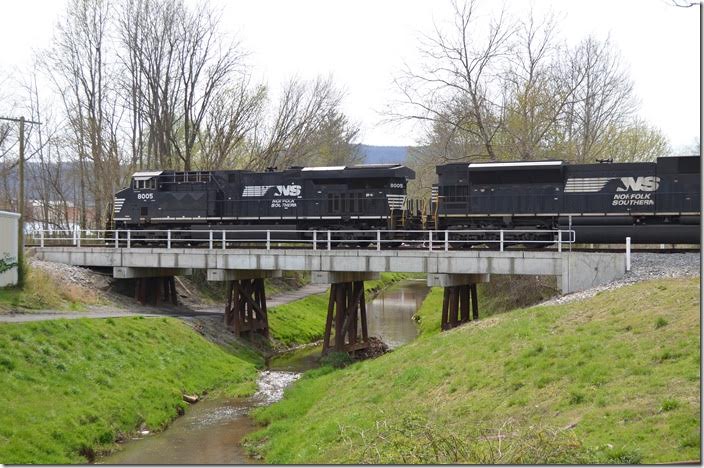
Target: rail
{"x":431,"y":240}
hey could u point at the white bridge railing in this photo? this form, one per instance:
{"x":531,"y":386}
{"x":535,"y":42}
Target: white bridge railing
{"x":431,"y":240}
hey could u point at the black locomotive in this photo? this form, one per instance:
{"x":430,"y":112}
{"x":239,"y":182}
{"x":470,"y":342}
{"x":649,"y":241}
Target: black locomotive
{"x":358,"y":197}
{"x":604,"y":203}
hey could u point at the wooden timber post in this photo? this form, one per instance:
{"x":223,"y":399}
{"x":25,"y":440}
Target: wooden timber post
{"x":245,"y":312}
{"x":154,"y":290}
{"x":346,"y":321}
{"x":456,"y":305}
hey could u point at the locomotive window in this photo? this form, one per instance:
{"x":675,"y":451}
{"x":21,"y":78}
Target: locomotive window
{"x":149,"y":184}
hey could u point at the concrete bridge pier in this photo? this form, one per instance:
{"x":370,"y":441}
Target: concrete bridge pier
{"x":346,"y":321}
{"x":460,"y":295}
{"x":245,"y":311}
{"x":152,"y":285}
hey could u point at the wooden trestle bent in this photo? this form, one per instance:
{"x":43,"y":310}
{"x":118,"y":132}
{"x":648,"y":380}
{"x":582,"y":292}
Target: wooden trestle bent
{"x":456,"y":305}
{"x":245,"y":312}
{"x":346,"y":321}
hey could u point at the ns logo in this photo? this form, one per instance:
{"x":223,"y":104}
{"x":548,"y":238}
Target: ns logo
{"x":639,"y":184}
{"x":288,"y":190}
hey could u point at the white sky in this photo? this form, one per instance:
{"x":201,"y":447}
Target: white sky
{"x":363,"y":44}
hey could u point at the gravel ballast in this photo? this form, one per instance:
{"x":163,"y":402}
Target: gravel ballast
{"x":644,"y":266}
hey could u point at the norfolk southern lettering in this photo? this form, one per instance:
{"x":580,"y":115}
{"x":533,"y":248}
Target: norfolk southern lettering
{"x":636,"y":184}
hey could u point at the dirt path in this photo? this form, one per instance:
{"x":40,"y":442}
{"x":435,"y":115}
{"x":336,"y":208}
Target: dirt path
{"x":152,"y":311}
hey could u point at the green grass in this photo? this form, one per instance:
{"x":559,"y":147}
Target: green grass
{"x":593,"y":381}
{"x":303,"y":321}
{"x":71,"y":387}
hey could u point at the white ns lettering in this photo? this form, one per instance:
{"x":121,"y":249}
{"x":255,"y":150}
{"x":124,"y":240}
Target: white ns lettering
{"x":288,"y":190}
{"x":639,"y":184}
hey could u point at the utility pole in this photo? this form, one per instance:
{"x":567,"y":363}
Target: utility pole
{"x":20,"y":198}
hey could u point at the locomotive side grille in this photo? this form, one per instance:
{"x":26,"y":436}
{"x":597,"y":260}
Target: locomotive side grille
{"x":117,"y":206}
{"x":586,"y":184}
{"x":255,"y":190}
{"x":434,"y":194}
{"x":395,"y":201}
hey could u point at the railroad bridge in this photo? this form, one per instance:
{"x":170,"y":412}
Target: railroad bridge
{"x":244,"y":269}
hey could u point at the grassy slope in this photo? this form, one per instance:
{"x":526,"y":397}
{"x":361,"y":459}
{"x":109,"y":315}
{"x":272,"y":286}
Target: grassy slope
{"x":303,"y":321}
{"x":620,"y":371}
{"x":41,"y":291}
{"x":69,"y":387}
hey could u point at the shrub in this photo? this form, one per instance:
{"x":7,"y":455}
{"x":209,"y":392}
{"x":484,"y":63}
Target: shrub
{"x":669,"y":405}
{"x":660,"y":322}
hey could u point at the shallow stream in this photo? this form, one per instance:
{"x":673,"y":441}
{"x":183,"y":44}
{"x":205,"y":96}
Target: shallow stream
{"x":211,"y":431}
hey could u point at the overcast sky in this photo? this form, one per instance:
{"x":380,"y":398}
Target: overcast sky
{"x":363,"y":44}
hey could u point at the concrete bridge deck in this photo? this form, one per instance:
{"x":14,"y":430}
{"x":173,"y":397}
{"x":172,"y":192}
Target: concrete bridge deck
{"x":575,"y":270}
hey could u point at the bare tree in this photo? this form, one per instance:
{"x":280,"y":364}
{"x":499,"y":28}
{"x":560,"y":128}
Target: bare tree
{"x":298,"y":117}
{"x":232,"y":117}
{"x":77,"y":67}
{"x":538,"y":88}
{"x":603,"y":103}
{"x":204,"y":67}
{"x":454,"y":86}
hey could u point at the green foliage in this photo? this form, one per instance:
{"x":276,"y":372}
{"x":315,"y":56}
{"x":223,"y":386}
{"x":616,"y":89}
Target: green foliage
{"x":660,"y":322}
{"x":669,"y":405}
{"x":585,"y":382}
{"x":71,"y":387}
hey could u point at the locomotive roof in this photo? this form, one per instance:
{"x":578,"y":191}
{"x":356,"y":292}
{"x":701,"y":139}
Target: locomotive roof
{"x":354,"y":170}
{"x":670,"y":163}
{"x":357,"y":170}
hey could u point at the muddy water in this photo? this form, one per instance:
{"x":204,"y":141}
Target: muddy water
{"x":211,"y":430}
{"x":209,"y":433}
{"x":389,"y":315}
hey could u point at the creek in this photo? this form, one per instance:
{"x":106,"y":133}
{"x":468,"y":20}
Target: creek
{"x":211,"y":431}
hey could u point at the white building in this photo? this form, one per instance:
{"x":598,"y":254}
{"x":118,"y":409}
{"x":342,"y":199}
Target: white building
{"x":8,"y":248}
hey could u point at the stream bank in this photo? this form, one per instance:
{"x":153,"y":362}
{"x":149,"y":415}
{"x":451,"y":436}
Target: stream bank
{"x":211,"y":430}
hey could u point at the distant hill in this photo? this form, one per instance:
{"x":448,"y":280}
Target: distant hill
{"x":384,"y":154}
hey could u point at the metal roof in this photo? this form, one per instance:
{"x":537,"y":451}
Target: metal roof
{"x":515,"y":164}
{"x":146,"y":175}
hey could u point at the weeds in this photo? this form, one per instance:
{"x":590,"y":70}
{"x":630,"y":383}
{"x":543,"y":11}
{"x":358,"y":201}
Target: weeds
{"x":413,"y":439}
{"x":660,"y":322}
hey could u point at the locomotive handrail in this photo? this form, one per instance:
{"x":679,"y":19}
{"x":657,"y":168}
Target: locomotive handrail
{"x":431,"y":240}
